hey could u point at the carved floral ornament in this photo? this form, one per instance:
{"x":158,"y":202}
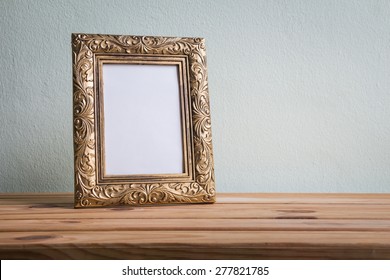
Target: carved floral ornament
{"x":90,"y":191}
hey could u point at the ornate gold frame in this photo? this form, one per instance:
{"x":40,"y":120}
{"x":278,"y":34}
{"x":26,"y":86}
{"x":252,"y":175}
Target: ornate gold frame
{"x":92,"y":187}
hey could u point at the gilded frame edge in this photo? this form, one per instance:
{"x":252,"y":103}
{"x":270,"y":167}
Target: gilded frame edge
{"x":181,"y":63}
{"x":90,"y":193}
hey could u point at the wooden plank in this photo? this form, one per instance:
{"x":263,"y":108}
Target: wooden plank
{"x":238,"y":226}
{"x":304,"y":198}
{"x":43,"y":207}
{"x":189,"y":244}
{"x":155,"y":252}
{"x":209,"y":211}
{"x":75,"y":224}
{"x":223,"y":198}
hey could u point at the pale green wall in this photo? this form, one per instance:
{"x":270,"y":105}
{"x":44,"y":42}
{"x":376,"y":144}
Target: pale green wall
{"x":300,"y":90}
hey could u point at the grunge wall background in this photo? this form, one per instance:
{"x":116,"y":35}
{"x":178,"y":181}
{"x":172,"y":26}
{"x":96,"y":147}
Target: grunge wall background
{"x":300,"y":90}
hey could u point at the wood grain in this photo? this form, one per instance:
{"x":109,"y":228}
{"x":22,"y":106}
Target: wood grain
{"x":238,"y":226}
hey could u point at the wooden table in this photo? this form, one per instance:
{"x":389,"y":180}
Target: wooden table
{"x":238,"y":226}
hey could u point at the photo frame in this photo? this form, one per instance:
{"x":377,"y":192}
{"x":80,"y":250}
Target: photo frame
{"x":141,"y":113}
